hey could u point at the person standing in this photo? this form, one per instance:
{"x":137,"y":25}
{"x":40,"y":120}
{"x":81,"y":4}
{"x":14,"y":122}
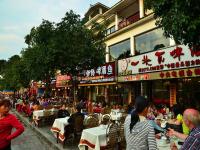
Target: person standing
{"x":139,"y":133}
{"x":7,"y":123}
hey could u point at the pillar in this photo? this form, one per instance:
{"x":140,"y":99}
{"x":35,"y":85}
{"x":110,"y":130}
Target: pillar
{"x":141,"y":8}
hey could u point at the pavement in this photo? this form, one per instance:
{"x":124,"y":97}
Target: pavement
{"x":38,"y":138}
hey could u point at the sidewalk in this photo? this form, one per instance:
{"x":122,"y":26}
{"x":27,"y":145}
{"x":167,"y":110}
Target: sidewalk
{"x":45,"y":134}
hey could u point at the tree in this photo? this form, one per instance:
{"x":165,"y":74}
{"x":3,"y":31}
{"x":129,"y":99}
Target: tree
{"x":179,"y":19}
{"x":2,"y":65}
{"x":77,"y":48}
{"x":14,"y":76}
{"x":67,"y":46}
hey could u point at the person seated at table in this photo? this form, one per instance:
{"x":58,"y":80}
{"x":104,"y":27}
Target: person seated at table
{"x":62,"y":112}
{"x":71,"y":120}
{"x":152,"y":112}
{"x":139,"y":133}
{"x":192,"y":120}
{"x":178,"y":123}
{"x":45,"y":103}
{"x":26,"y":108}
{"x":37,"y":106}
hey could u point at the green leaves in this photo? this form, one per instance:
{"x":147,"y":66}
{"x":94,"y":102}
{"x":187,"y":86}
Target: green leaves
{"x":179,"y":19}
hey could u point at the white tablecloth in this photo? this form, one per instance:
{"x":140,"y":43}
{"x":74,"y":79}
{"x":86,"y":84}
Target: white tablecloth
{"x":59,"y":126}
{"x":94,"y":138}
{"x":40,"y":113}
{"x":164,"y":146}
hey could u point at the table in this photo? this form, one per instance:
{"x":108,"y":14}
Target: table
{"x":59,"y":127}
{"x":162,"y":146}
{"x":93,"y":138}
{"x":41,"y":113}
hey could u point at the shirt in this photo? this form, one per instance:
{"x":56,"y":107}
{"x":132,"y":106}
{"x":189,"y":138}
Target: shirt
{"x":185,"y":128}
{"x":142,"y":136}
{"x":192,"y":142}
{"x":6,"y":125}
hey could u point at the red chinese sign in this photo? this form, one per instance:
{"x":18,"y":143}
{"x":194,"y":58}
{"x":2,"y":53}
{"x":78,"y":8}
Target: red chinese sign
{"x":62,"y":80}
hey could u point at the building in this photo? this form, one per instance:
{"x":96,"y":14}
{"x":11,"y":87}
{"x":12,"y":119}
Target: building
{"x":148,"y":63}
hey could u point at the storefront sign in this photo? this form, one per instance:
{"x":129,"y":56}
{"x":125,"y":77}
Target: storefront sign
{"x":62,"y":80}
{"x":105,"y":73}
{"x":190,"y":72}
{"x":173,"y":58}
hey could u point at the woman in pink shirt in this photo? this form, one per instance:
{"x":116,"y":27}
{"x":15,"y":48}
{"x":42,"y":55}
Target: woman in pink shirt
{"x":7,"y":123}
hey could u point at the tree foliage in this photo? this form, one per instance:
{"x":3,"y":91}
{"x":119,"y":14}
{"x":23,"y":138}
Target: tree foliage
{"x":14,"y":76}
{"x":180,"y":19}
{"x":67,"y":46}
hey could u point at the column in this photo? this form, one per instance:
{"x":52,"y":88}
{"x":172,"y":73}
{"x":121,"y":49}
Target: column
{"x":116,"y":21}
{"x":129,"y":96}
{"x":90,"y":17}
{"x":100,"y":11}
{"x":142,"y":89}
{"x":106,"y":93}
{"x":132,"y":46}
{"x":141,"y":8}
{"x":107,"y":54}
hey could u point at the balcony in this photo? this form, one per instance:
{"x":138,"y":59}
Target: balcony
{"x":131,"y":19}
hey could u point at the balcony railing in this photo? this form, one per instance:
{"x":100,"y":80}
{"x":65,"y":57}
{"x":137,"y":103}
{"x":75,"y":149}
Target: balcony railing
{"x":131,"y":19}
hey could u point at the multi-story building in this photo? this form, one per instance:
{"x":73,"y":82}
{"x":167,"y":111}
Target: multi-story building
{"x":148,"y":63}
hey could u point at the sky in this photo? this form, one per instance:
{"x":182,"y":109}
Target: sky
{"x":17,"y":17}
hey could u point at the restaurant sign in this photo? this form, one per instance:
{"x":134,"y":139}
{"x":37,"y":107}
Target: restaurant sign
{"x":172,"y":58}
{"x":62,"y":80}
{"x":104,"y":73}
{"x":181,"y":73}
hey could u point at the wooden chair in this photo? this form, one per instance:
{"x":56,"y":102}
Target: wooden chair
{"x":91,"y":122}
{"x":49,"y":107}
{"x":78,"y":126}
{"x":112,"y":137}
{"x":105,"y":119}
{"x":121,"y":137}
{"x":68,"y":133}
{"x":122,"y":118}
{"x":106,"y":110}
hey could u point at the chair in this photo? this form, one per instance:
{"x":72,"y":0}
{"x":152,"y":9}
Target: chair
{"x":106,"y":110}
{"x":91,"y":122}
{"x":121,"y":138}
{"x":122,"y":118}
{"x":105,"y":119}
{"x":68,"y":133}
{"x":78,"y":125}
{"x":112,"y":136}
{"x":47,"y":118}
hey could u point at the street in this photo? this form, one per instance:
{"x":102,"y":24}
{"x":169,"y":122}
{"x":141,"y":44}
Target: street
{"x":29,"y":140}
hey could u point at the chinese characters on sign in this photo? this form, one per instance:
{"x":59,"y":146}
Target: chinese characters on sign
{"x":104,"y":73}
{"x":180,"y":73}
{"x":162,"y":60}
{"x":62,"y":80}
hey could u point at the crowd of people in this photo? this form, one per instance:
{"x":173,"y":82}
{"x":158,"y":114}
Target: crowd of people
{"x":141,"y":127}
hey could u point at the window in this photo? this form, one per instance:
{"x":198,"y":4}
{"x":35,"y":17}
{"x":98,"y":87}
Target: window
{"x":120,"y":50}
{"x":150,"y":41}
{"x":110,"y":30}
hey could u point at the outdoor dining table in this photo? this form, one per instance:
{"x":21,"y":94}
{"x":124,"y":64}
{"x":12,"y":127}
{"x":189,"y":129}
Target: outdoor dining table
{"x":93,"y":138}
{"x":59,"y":128}
{"x":41,"y":113}
{"x":166,"y":146}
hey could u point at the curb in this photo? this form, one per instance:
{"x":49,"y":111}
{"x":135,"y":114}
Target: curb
{"x":50,"y":143}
